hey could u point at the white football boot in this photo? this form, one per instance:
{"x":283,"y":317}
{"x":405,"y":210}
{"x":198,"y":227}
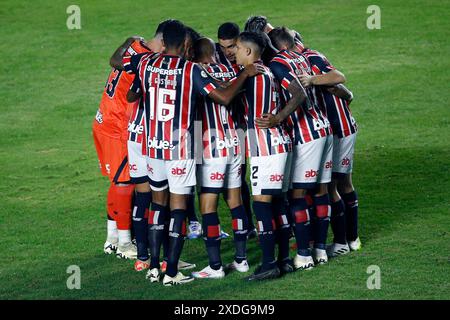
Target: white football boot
{"x":110,"y":246}
{"x":240,"y":267}
{"x":209,"y":273}
{"x":177,"y":280}
{"x":303,"y":263}
{"x":182,"y":265}
{"x":337,"y":249}
{"x":320,"y":256}
{"x":355,"y":245}
{"x":153,"y":275}
{"x":127,"y":252}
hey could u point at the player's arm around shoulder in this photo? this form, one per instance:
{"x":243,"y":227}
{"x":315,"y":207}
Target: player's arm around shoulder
{"x":116,"y":59}
{"x":341,"y":91}
{"x":225,"y":95}
{"x":298,"y":97}
{"x":324,"y":74}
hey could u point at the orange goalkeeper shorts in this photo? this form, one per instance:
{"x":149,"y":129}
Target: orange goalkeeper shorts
{"x":112,"y":157}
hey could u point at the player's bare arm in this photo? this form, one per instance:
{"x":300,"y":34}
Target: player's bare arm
{"x":327,"y":79}
{"x":116,"y":58}
{"x":299,"y":96}
{"x":341,"y":91}
{"x":133,"y":96}
{"x":225,"y":95}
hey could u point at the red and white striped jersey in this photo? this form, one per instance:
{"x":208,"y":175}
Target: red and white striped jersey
{"x":137,"y":130}
{"x":299,"y":47}
{"x":261,"y":96}
{"x":337,"y":109}
{"x":170,"y":86}
{"x":220,"y":138}
{"x":307,"y":122}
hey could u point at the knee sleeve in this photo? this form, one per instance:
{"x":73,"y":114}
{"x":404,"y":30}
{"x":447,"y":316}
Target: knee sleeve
{"x":264,"y":215}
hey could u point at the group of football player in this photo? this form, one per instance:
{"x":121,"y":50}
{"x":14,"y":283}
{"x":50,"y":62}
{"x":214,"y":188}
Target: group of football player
{"x":182,"y":114}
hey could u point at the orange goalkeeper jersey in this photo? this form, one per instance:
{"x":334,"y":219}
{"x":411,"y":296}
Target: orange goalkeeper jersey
{"x":114,"y":111}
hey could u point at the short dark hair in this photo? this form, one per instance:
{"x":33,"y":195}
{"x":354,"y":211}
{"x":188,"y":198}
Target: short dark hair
{"x":194,"y":35}
{"x":281,"y":35}
{"x":203,"y":47}
{"x":256,"y":24}
{"x":255,"y":38}
{"x":174,"y":34}
{"x":161,"y":26}
{"x":228,"y":31}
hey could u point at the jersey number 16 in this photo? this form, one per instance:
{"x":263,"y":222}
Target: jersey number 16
{"x":164,"y":111}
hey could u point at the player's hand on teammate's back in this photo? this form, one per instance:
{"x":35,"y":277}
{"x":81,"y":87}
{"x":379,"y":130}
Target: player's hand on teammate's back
{"x":267,"y":120}
{"x":254,"y":69}
{"x":306,"y":80}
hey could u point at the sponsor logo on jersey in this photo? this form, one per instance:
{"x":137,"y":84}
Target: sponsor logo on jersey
{"x":178,"y":171}
{"x":220,"y":75}
{"x":311,"y":173}
{"x":275,"y":141}
{"x":227,"y":143}
{"x":165,"y":72}
{"x":149,"y":169}
{"x":99,"y":117}
{"x":135,"y":128}
{"x":328,"y":164}
{"x":160,"y":144}
{"x":133,"y":167}
{"x":217,"y":176}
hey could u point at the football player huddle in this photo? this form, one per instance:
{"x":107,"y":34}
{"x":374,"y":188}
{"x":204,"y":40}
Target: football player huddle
{"x":182,"y":114}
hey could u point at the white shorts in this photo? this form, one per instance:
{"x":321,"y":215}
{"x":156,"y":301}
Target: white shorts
{"x":343,"y":150}
{"x":178,"y":175}
{"x":312,"y":163}
{"x":267,"y":174}
{"x":137,"y":162}
{"x":216,"y":174}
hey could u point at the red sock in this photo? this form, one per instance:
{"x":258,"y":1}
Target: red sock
{"x":121,"y":198}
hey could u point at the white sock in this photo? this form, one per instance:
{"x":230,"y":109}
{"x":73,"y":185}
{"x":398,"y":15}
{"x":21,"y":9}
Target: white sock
{"x":111,"y":227}
{"x":124,"y":237}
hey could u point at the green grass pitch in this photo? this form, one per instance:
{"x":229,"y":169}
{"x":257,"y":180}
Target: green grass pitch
{"x":52,"y":208}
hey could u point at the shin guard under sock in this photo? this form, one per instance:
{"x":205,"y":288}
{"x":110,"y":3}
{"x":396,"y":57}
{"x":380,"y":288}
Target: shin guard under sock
{"x":177,"y":233}
{"x":302,"y":225}
{"x":266,"y":233}
{"x":156,"y":232}
{"x":211,"y":236}
{"x":351,"y":214}
{"x":337,"y":222}
{"x":140,"y":223}
{"x":240,"y":231}
{"x":322,"y":214}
